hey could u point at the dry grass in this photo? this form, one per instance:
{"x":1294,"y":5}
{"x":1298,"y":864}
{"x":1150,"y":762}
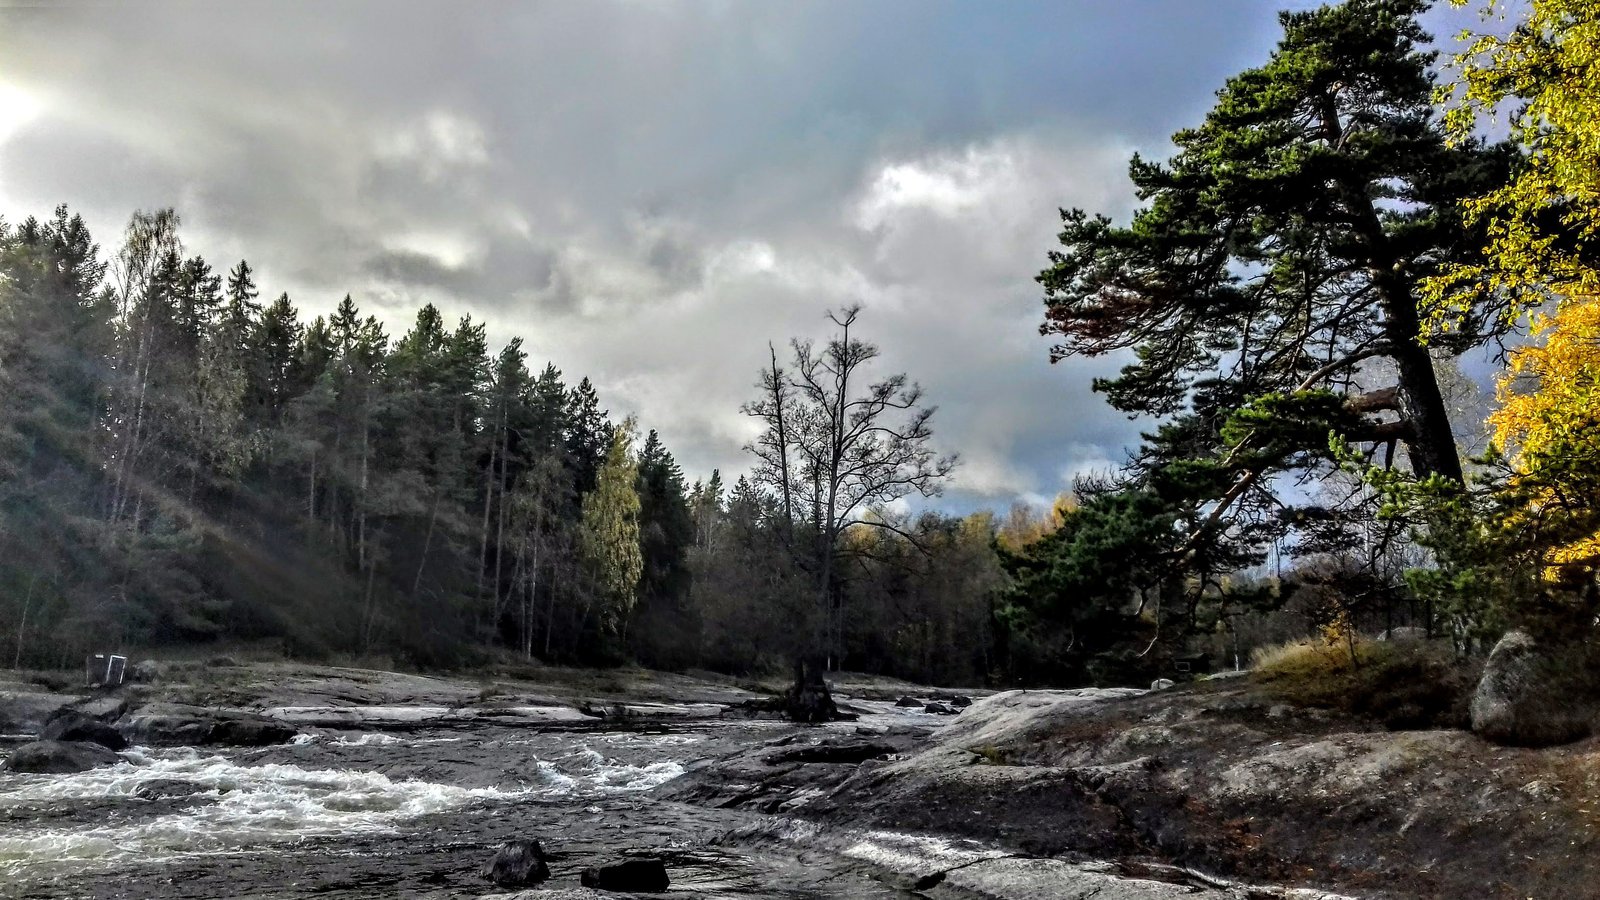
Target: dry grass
{"x":1402,"y":684}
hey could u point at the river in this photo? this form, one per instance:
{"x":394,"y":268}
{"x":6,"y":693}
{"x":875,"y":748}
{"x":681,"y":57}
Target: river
{"x":352,"y":813}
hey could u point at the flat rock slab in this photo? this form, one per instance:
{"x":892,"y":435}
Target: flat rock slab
{"x":381,"y":717}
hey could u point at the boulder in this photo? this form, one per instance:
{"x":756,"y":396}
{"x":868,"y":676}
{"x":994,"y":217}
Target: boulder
{"x":1521,"y":700}
{"x":182,"y":726}
{"x":841,"y":750}
{"x":145,"y":671}
{"x":60,"y":757}
{"x":648,"y":875}
{"x":517,"y":863}
{"x":960,"y":702}
{"x":938,"y":709}
{"x":71,"y":725}
{"x":167,"y":789}
{"x":250,"y":732}
{"x":908,"y":702}
{"x":26,"y":712}
{"x":1161,"y":684}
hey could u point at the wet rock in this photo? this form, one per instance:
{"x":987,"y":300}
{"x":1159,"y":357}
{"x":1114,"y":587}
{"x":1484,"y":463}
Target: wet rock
{"x":938,"y":709}
{"x":71,"y":725}
{"x":960,"y":702}
{"x":517,"y":863}
{"x":846,"y":750}
{"x":250,"y":733}
{"x":168,"y":789}
{"x":26,"y":712}
{"x":189,"y":727}
{"x":908,"y":702}
{"x":1520,"y":700}
{"x":648,"y":875}
{"x":60,"y":757}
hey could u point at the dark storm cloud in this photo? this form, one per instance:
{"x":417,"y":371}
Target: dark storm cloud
{"x":648,"y":193}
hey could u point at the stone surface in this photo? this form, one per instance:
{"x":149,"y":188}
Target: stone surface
{"x":70,"y":725}
{"x":60,"y":757}
{"x":517,"y":863}
{"x":1520,"y":701}
{"x":167,"y":789}
{"x":181,"y":726}
{"x":646,"y":875}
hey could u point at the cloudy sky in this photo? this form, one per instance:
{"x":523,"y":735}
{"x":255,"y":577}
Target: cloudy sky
{"x":647,"y":192}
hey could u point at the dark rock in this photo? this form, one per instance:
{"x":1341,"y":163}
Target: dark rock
{"x":517,"y":863}
{"x":648,"y":875}
{"x":71,"y":725}
{"x":960,"y":702}
{"x":938,"y":709}
{"x":250,"y":732}
{"x":908,"y":702}
{"x":190,"y":727}
{"x":847,"y":750}
{"x":60,"y":757}
{"x":167,"y":789}
{"x":1521,"y":699}
{"x":24,"y":712}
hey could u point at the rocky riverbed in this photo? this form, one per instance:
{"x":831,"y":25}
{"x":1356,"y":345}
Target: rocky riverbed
{"x":401,"y":785}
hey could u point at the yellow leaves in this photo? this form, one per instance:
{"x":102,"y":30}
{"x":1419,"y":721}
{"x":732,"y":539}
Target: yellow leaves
{"x":1544,"y":77}
{"x":1025,"y":524}
{"x":1549,"y":421}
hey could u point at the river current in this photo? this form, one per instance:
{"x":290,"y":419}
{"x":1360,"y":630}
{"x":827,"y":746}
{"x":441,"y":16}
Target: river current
{"x":379,"y":814}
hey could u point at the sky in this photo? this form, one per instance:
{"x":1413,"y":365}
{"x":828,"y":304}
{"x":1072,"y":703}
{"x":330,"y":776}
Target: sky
{"x":649,"y":192}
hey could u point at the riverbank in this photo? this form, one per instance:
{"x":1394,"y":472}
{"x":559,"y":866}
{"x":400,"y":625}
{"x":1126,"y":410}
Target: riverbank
{"x":403,"y":785}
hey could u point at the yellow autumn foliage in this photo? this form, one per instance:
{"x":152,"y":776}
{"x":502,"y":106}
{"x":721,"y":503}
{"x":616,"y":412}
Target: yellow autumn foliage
{"x":1544,"y":78}
{"x":1549,"y":421}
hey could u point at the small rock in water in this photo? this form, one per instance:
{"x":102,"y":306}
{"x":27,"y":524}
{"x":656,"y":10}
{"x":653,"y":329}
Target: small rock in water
{"x":517,"y":864}
{"x":167,"y":789}
{"x":908,"y":702}
{"x":631,"y":875}
{"x":70,"y":725}
{"x":938,"y":709}
{"x":960,"y":702}
{"x":60,"y":757}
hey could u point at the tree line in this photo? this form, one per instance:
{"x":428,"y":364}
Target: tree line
{"x":183,"y":462}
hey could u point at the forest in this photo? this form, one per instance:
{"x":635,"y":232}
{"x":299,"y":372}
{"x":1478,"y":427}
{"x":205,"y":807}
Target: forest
{"x":1314,"y":282}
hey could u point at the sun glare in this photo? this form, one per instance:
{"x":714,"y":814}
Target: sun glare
{"x":17,"y":108}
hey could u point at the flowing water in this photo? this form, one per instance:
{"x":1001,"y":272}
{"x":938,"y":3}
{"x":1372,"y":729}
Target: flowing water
{"x":370,"y":814}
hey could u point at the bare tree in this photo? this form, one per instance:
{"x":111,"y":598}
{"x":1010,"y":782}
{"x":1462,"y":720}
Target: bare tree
{"x":836,"y":448}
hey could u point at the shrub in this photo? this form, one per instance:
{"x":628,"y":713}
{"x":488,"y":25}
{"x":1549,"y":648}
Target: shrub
{"x":1400,"y":684}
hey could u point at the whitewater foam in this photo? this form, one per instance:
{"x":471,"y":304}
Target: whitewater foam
{"x":253,"y":806}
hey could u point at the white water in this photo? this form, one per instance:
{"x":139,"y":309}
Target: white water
{"x":245,"y":807}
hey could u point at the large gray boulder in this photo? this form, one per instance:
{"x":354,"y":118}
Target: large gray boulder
{"x":60,"y":757}
{"x":71,"y":725}
{"x":1524,"y":699}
